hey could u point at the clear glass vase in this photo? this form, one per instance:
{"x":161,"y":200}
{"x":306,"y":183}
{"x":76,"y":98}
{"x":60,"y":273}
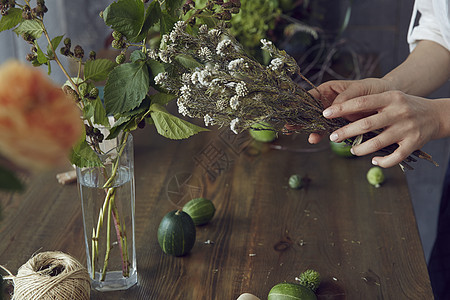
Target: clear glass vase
{"x":108,"y":201}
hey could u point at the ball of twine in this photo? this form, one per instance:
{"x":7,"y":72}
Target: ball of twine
{"x":52,"y":275}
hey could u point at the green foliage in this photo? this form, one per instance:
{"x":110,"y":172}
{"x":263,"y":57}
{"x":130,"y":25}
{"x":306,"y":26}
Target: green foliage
{"x":98,"y":70}
{"x":11,"y":20}
{"x":126,"y":87}
{"x":126,"y":17}
{"x":126,"y":93}
{"x":255,"y":19}
{"x":83,"y":155}
{"x":31,"y":27}
{"x":171,"y":126}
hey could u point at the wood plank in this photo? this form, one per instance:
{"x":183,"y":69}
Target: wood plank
{"x":363,"y":240}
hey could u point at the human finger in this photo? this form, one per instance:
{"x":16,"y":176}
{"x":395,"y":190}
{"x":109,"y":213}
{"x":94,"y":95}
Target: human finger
{"x":378,"y":142}
{"x":404,"y":149}
{"x":363,"y":104}
{"x":361,"y":126}
{"x":315,"y":138}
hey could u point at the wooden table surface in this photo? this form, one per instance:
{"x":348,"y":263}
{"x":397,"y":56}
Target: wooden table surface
{"x":362,"y":240}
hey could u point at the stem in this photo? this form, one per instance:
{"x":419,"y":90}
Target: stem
{"x":116,"y":163}
{"x":108,"y":236}
{"x":122,"y":237}
{"x":109,"y":195}
{"x":55,"y":56}
{"x":109,"y":204}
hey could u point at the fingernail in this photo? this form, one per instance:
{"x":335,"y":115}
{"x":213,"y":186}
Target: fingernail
{"x":327,"y":112}
{"x":374,"y":162}
{"x":352,"y":151}
{"x":334,"y":137}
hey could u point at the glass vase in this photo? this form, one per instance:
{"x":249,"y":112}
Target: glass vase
{"x":107,"y":195}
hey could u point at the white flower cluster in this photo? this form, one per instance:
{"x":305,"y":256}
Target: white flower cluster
{"x":202,"y":77}
{"x":161,"y":78}
{"x":224,"y":47}
{"x":237,"y":64}
{"x":205,"y":53}
{"x":165,"y":56}
{"x":215,"y":32}
{"x":208,"y":120}
{"x":241,"y":89}
{"x":184,"y":97}
{"x":276,"y":64}
{"x":234,"y":102}
{"x":266,"y":45}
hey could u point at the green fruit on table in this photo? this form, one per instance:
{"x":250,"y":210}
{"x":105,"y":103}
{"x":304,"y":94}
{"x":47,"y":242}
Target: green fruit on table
{"x":375,"y":176}
{"x":341,"y":149}
{"x":263,"y":132}
{"x":291,"y":291}
{"x":201,"y":210}
{"x":295,"y":181}
{"x":176,"y":233}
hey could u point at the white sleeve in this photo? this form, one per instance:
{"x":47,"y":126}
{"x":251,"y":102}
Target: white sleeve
{"x":434,"y":23}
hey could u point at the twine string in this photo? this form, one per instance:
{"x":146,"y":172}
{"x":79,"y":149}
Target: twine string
{"x":51,"y":275}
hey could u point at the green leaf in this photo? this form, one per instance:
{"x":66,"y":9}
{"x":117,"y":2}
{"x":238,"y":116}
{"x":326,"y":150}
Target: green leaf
{"x":152,"y":16}
{"x":31,"y":27}
{"x":167,"y":22}
{"x":187,"y":61}
{"x":173,"y":7}
{"x":126,"y":17}
{"x":88,"y":109}
{"x":41,"y":58}
{"x":98,"y":69}
{"x":155,"y":67}
{"x":9,"y":181}
{"x":126,"y":87}
{"x":137,"y":55}
{"x":54,"y":43}
{"x":82,"y":155}
{"x":11,"y":20}
{"x":162,"y":98}
{"x":100,"y":116}
{"x":171,"y":126}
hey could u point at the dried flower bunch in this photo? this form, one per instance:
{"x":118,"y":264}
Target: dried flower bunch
{"x":223,"y":85}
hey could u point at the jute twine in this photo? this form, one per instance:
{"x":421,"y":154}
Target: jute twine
{"x":51,"y":275}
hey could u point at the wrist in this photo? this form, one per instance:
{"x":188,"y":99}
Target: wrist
{"x":442,"y":108}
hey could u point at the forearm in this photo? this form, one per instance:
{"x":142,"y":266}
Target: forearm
{"x":425,"y":69}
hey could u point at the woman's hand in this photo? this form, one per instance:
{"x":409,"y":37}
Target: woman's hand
{"x":406,"y":120}
{"x":336,"y":92}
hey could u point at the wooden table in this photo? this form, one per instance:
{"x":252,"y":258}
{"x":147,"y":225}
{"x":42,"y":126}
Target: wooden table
{"x":363,"y":240}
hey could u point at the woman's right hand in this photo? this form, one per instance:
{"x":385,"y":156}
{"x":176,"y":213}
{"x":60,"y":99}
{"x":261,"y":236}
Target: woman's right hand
{"x":339,"y":91}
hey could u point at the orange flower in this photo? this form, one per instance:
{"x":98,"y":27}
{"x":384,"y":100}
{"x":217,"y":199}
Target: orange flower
{"x":38,"y":122}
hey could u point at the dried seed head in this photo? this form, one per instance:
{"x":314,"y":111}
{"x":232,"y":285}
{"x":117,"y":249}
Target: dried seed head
{"x":236,"y":3}
{"x":71,"y":93}
{"x":92,"y":55}
{"x":64,"y":51}
{"x":93,"y":94}
{"x":31,"y":57}
{"x":225,"y":15}
{"x":28,"y":38}
{"x":78,"y":51}
{"x":26,"y":13}
{"x":117,"y":44}
{"x":67,"y":42}
{"x":117,"y":35}
{"x":120,"y":59}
